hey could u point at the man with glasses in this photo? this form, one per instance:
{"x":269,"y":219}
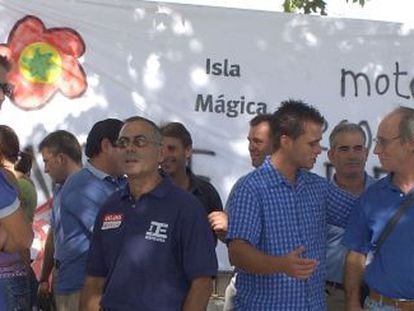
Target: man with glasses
{"x":152,"y":248}
{"x":5,"y":88}
{"x":388,"y":271}
{"x":82,"y":196}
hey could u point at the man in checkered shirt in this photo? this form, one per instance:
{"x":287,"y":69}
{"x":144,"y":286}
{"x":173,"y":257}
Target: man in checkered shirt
{"x":278,"y":216}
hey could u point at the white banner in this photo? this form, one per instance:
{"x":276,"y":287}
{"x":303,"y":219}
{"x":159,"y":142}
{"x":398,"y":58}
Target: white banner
{"x":212,"y":69}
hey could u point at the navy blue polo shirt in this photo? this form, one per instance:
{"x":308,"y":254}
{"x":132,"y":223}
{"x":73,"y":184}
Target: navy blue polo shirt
{"x":150,"y":249}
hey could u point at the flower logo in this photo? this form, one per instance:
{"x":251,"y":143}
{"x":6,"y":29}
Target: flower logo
{"x":43,"y":61}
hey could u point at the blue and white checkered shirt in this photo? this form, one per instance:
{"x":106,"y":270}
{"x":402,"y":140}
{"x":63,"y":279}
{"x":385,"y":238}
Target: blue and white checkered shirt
{"x":277,"y":217}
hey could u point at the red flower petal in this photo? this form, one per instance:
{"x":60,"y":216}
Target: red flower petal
{"x":73,"y":80}
{"x":66,"y":40}
{"x":28,"y":95}
{"x":27,"y":30}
